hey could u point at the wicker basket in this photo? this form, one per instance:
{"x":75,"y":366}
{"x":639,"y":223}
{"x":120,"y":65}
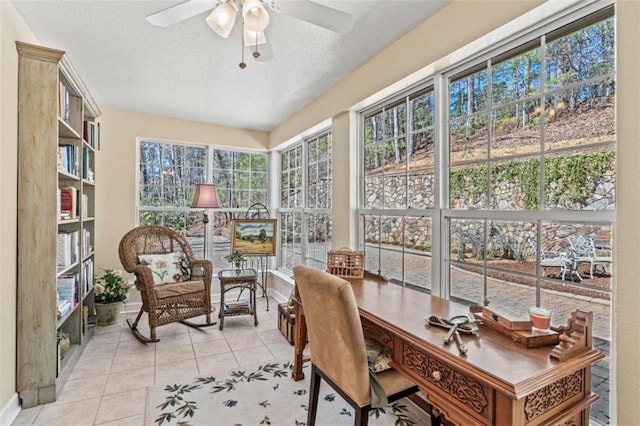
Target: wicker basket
{"x":345,"y":263}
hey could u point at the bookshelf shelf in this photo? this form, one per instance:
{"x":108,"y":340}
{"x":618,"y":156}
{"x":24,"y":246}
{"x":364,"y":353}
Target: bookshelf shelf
{"x":56,"y":203}
{"x":88,"y":256}
{"x":66,"y":131}
{"x":65,"y":175}
{"x":66,"y":316}
{"x":67,"y":269}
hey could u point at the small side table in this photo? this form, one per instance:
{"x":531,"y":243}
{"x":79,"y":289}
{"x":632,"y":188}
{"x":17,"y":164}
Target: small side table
{"x":238,"y":279}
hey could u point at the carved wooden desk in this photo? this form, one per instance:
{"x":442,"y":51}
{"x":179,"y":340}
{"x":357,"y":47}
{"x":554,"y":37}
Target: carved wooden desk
{"x":498,"y":382}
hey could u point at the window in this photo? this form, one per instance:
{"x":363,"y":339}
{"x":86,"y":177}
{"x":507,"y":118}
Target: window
{"x":399,"y":189}
{"x":525,"y":209}
{"x":532,"y":169}
{"x":241,"y":178}
{"x":305,"y":203}
{"x":168,"y":175}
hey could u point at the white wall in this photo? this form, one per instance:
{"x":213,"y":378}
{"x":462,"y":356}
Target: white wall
{"x":116,"y":167}
{"x":626,"y":297}
{"x":12,"y":28}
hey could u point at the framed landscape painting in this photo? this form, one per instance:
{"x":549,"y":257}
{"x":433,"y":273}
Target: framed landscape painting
{"x":254,"y":237}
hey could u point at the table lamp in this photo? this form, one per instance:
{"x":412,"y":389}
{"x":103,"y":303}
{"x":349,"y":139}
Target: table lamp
{"x":206,"y":197}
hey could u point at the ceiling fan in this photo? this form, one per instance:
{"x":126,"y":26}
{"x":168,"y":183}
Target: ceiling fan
{"x":254,"y":17}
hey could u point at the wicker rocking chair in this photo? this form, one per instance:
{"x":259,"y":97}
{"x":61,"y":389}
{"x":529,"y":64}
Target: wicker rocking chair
{"x":179,"y":292}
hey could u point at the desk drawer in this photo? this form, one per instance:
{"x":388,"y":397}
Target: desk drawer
{"x":475,"y":398}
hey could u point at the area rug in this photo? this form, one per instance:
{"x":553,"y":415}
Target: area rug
{"x":264,"y":395}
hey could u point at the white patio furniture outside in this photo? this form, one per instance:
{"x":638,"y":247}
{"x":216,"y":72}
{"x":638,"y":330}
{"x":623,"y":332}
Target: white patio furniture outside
{"x":584,"y":251}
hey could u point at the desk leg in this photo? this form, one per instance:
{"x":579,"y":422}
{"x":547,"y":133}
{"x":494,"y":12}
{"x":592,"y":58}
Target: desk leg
{"x":221,"y":313}
{"x":255,"y":308}
{"x":427,"y":408}
{"x":300,"y":340}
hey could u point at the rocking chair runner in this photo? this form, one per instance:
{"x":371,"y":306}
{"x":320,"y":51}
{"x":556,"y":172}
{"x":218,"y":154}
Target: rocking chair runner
{"x":168,"y":301}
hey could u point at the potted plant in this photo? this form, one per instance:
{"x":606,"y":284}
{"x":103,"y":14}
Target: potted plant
{"x":237,"y":259}
{"x":110,"y":290}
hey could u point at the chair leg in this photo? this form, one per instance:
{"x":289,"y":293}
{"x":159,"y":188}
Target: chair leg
{"x":362,"y":416}
{"x":136,"y":333}
{"x":314,"y":392}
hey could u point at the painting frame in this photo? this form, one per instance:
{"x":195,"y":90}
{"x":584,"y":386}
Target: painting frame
{"x":245,"y":237}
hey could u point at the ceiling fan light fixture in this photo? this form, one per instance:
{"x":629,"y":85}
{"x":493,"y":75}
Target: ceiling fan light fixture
{"x":254,"y":38}
{"x":255,"y":15}
{"x":222,"y":19}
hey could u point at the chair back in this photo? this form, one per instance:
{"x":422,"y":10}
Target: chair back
{"x":582,"y":246}
{"x":336,"y":340}
{"x":151,"y":239}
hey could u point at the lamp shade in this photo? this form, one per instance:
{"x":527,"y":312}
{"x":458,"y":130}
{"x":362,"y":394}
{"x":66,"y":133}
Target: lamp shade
{"x":254,"y":38}
{"x":206,"y":197}
{"x":255,"y":15}
{"x":222,"y":19}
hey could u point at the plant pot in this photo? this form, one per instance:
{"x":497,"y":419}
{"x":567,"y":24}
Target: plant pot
{"x":107,"y":313}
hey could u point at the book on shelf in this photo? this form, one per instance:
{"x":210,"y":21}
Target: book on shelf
{"x":84,"y":207}
{"x":68,"y":202}
{"x":64,"y":104}
{"x":91,"y":134}
{"x":67,"y":288}
{"x":67,"y":247}
{"x":68,"y":159}
{"x":64,"y":307}
{"x":87,"y":171}
{"x":86,"y":242}
{"x":87,"y":276}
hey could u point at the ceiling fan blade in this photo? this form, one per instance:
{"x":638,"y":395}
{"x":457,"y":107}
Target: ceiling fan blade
{"x":180,"y":12}
{"x":317,"y":14}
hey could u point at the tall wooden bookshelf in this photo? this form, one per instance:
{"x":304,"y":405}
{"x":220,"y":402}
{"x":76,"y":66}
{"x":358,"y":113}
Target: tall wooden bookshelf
{"x":57,"y":141}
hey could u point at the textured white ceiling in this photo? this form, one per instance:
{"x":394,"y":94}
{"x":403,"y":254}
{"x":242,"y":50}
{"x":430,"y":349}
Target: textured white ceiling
{"x":187,"y":71}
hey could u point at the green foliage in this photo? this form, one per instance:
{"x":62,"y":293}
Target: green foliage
{"x":471,"y":178}
{"x":110,"y":287}
{"x":574,"y":176}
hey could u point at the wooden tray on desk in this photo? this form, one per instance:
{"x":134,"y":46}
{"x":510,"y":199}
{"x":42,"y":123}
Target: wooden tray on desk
{"x":519,"y":330}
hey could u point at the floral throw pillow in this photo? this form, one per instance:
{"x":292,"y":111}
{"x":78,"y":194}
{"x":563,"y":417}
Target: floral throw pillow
{"x":166,"y":268}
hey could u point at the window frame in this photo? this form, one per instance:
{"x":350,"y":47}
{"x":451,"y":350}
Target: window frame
{"x":304,"y":212}
{"x":208,"y":174}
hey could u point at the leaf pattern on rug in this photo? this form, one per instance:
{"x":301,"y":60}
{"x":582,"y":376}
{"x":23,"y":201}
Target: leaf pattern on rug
{"x":178,"y":407}
{"x":265,"y":421}
{"x":187,"y":408}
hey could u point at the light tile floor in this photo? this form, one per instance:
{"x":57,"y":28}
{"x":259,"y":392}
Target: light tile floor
{"x":108,"y":385}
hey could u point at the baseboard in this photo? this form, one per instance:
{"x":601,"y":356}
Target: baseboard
{"x":10,"y":410}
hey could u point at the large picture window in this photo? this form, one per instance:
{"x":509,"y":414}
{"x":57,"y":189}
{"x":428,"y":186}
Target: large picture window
{"x":516,"y":181}
{"x":399,"y":181}
{"x":305,"y":202}
{"x":168,"y":175}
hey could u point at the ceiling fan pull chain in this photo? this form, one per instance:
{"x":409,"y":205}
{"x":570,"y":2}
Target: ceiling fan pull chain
{"x":256,"y":54}
{"x":242,"y":64}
